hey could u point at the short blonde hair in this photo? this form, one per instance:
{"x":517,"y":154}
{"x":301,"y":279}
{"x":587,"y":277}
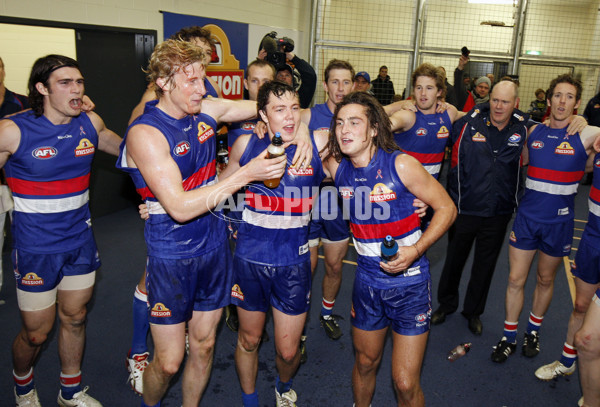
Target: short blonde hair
{"x":168,"y":58}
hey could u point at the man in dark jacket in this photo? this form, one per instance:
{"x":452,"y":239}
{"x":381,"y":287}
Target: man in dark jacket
{"x":484,"y":182}
{"x":10,"y":102}
{"x":382,"y":87}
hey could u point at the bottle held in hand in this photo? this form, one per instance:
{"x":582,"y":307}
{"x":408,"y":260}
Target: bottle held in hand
{"x":389,"y":249}
{"x":275,"y":150}
{"x":222,"y":156}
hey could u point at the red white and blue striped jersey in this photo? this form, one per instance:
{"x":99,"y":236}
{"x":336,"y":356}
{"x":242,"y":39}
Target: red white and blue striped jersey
{"x":427,"y":140}
{"x":379,"y":204}
{"x":592,"y":229}
{"x":274,"y":230}
{"x":556,"y":165}
{"x":192,"y":145}
{"x":49,"y":176}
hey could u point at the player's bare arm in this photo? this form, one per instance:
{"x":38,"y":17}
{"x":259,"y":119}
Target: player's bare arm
{"x":148,"y":150}
{"x":420,"y":183}
{"x":108,"y":140}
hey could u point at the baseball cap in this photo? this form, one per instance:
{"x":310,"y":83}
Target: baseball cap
{"x":364,"y":75}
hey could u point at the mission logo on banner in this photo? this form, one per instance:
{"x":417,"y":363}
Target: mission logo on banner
{"x":224,"y":68}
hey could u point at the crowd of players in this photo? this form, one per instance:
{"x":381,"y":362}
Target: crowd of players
{"x":376,"y":159}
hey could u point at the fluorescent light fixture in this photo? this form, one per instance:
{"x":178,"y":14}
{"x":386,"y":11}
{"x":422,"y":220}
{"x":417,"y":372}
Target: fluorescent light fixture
{"x":533,"y":52}
{"x":507,"y":2}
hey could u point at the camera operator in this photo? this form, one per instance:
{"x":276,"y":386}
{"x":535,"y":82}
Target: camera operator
{"x":290,"y":68}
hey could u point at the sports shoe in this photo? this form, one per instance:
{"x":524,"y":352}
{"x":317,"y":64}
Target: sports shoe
{"x":554,"y":369}
{"x":331,"y":326}
{"x":303,"y":353}
{"x":231,"y":318}
{"x":287,"y":399}
{"x":27,"y":400}
{"x":136,"y":365}
{"x":531,"y":344}
{"x":503,"y":350}
{"x":80,"y":399}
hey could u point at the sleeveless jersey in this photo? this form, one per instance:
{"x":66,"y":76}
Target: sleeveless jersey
{"x":379,"y":205}
{"x":320,"y":118}
{"x":592,"y":229}
{"x":49,"y":176}
{"x":274,"y":230}
{"x":210,"y":89}
{"x":238,"y":129}
{"x":426,"y":140}
{"x":556,"y":165}
{"x":192,"y":146}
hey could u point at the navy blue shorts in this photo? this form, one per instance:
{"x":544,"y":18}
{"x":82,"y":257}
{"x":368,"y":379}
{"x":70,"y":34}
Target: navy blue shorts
{"x":36,"y":272}
{"x":587,"y":262}
{"x":327,"y":222}
{"x":554,"y":239}
{"x":177,"y":287}
{"x":257,"y":286}
{"x":406,"y":308}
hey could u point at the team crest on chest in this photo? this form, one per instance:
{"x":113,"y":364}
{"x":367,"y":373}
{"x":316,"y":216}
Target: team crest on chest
{"x":564,"y":149}
{"x":204,"y":132}
{"x":302,"y":172}
{"x":443,"y":132}
{"x":479,"y":138}
{"x":381,"y":193}
{"x":84,"y":148}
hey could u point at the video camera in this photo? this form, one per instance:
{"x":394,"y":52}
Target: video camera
{"x":276,"y":48}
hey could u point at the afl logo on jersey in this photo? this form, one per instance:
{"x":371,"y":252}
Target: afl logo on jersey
{"x":564,"y":149}
{"x":443,"y":132}
{"x":346,"y":192}
{"x":160,"y":311}
{"x":247,"y":126}
{"x":84,"y":148}
{"x":44,"y":153}
{"x":537,"y":144}
{"x":421,"y":132}
{"x":597,"y":163}
{"x":204,"y":132}
{"x":32,"y":279}
{"x":381,"y":193}
{"x":182,"y":148}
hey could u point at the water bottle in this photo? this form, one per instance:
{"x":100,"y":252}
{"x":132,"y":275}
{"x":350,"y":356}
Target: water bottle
{"x":389,"y":249}
{"x":458,"y":352}
{"x":275,"y":150}
{"x":222,"y":156}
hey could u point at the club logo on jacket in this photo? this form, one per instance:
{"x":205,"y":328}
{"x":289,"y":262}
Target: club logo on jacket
{"x":381,"y":193}
{"x":32,"y":279}
{"x":443,"y":132}
{"x":182,"y":148}
{"x":564,"y":149}
{"x":480,"y":138}
{"x":84,"y":148}
{"x":160,"y":311}
{"x":44,"y":153}
{"x":204,"y":132}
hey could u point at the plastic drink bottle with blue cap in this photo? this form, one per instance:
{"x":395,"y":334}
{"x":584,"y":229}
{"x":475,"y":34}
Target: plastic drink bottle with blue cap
{"x":389,"y":249}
